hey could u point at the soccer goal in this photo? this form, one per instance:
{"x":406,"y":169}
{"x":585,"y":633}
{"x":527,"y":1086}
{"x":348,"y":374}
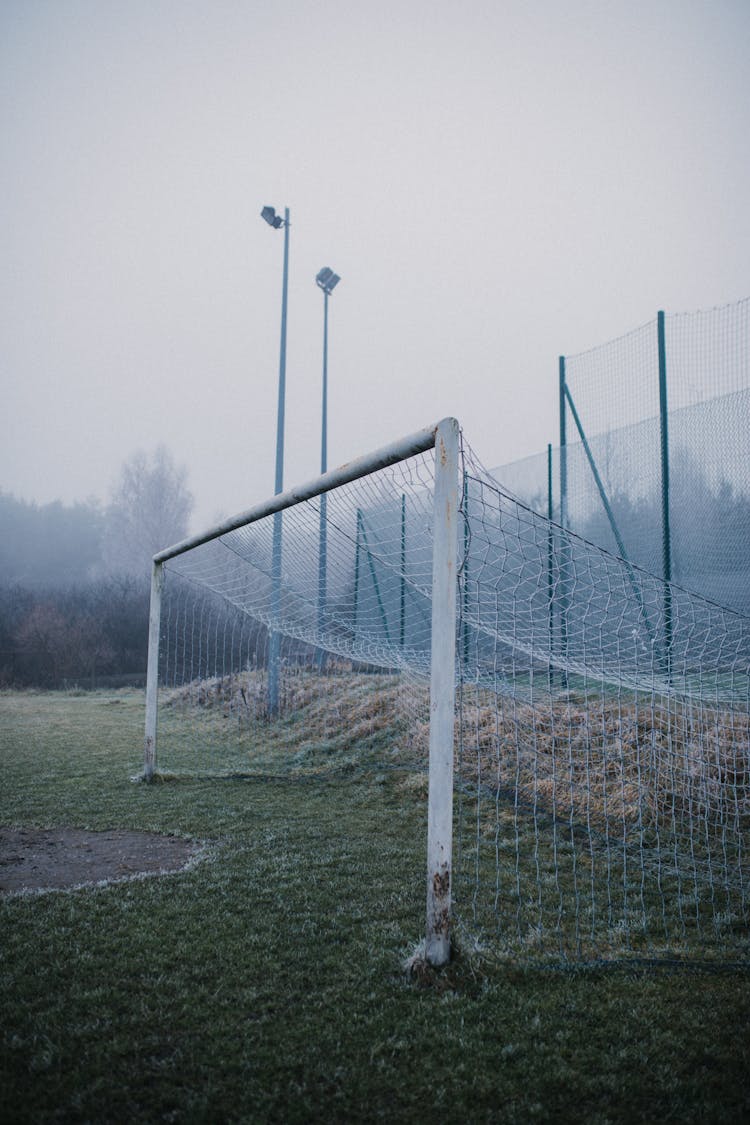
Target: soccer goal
{"x":284,"y":603}
{"x":582,"y":728}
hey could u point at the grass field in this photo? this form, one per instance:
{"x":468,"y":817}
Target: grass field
{"x":267,"y":982}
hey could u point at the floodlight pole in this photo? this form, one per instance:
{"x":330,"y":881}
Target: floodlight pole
{"x":323,"y":541}
{"x":279,"y":483}
{"x":665,"y":514}
{"x":326,"y":280}
{"x":274,"y":640}
{"x":324,"y":424}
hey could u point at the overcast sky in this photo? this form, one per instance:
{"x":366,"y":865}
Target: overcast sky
{"x":497,"y":183}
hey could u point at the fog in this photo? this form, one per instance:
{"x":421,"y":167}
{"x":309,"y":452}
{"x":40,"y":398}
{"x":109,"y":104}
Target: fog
{"x":496,"y":183}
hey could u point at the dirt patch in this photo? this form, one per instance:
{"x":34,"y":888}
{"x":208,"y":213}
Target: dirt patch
{"x":51,"y":859}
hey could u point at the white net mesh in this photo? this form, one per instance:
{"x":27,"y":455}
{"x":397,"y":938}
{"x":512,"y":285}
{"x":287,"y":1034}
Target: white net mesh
{"x":604,"y":743}
{"x":602,"y":750}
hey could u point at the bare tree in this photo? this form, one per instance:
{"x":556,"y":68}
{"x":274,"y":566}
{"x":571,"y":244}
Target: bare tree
{"x":149,"y":509}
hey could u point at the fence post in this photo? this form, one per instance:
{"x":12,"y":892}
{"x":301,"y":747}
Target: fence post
{"x":465,"y":577}
{"x":356,"y":574}
{"x":402,"y":617}
{"x":152,"y":672}
{"x":274,"y":638}
{"x":442,"y":695}
{"x":564,"y":541}
{"x":563,"y":447}
{"x":322,"y":577}
{"x":665,"y":522}
{"x":550,"y":558}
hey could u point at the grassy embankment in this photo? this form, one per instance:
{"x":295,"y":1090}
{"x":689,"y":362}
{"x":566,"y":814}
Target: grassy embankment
{"x":266,"y":984}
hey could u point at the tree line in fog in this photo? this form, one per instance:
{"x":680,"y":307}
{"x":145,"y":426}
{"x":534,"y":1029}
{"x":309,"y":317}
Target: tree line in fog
{"x":74,"y":579}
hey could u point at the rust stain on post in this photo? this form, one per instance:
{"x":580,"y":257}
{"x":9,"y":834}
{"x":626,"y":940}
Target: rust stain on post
{"x":442,"y":452}
{"x":440,"y":904}
{"x":441,"y":883}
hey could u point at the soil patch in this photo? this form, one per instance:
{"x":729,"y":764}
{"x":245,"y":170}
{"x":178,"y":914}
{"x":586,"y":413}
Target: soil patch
{"x":52,"y":859}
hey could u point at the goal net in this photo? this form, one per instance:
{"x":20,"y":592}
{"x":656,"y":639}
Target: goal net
{"x":598,"y":728}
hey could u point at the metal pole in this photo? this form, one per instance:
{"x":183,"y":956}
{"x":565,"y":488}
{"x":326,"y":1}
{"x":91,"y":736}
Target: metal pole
{"x":152,"y":674}
{"x":550,"y":556}
{"x":279,"y":487}
{"x":275,"y":638}
{"x":563,"y":448}
{"x":442,"y":696}
{"x":550,"y":499}
{"x":564,"y":543}
{"x":356,"y":573}
{"x":465,"y":578}
{"x":402,"y":616}
{"x":323,"y":541}
{"x":324,"y":427}
{"x":666,"y":529}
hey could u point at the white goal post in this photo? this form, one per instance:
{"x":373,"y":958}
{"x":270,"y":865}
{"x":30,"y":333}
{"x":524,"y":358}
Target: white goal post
{"x":444,"y":439}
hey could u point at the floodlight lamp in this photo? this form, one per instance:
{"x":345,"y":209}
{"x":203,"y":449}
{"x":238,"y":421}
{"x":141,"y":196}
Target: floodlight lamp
{"x":327,"y":280}
{"x":273,"y":220}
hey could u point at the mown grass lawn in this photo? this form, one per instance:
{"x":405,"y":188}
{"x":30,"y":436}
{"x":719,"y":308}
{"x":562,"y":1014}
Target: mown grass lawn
{"x":266,"y":983}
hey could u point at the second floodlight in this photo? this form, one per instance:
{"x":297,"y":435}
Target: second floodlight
{"x":273,"y":220}
{"x":327,"y":280}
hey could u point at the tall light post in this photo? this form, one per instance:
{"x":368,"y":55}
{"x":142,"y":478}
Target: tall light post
{"x":275,"y":221}
{"x":326,"y":280}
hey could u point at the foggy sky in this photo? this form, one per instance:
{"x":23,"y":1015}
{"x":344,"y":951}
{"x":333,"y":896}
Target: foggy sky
{"x":497,"y":183}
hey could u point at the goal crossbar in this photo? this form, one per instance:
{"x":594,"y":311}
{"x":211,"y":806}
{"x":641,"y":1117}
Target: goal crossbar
{"x":400,"y":450}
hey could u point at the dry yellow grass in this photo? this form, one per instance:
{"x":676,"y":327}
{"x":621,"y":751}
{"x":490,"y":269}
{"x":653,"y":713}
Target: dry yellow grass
{"x":315,"y":705}
{"x":634,"y":760}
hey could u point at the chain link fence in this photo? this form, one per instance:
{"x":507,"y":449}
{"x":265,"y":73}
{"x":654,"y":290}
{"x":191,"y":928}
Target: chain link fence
{"x":652,"y":462}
